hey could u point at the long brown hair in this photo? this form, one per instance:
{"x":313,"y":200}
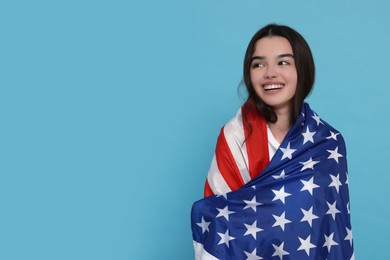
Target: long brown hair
{"x":304,"y":64}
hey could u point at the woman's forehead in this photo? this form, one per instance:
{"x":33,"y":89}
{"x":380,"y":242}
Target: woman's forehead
{"x":272,"y":46}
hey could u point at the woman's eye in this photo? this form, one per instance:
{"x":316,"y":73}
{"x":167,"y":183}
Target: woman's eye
{"x":257,"y":65}
{"x":283,"y":62}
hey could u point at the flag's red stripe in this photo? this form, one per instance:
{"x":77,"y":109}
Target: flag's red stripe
{"x":227,"y":165}
{"x":257,"y":143}
{"x":207,"y":190}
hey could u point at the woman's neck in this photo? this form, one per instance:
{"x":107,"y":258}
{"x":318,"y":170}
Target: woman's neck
{"x":281,"y":127}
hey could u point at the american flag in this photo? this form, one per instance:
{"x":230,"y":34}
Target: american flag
{"x":297,"y":208}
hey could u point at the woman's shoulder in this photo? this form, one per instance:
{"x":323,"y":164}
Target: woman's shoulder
{"x":321,"y":127}
{"x":234,"y":127}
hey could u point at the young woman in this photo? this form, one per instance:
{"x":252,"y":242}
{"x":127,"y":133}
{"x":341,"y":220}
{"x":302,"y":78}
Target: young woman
{"x":279,"y":75}
{"x":279,"y":171}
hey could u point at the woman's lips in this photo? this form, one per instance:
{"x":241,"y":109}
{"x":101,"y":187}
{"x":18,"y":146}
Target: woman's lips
{"x":273,"y":86}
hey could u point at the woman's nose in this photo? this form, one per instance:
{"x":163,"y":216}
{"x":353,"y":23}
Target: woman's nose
{"x":270,"y":72}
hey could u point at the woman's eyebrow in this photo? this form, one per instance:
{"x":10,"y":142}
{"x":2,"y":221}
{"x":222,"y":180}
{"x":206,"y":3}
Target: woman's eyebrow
{"x":285,"y":55}
{"x":257,"y":58}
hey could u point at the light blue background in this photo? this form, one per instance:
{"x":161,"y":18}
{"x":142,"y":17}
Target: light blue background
{"x":110,"y":112}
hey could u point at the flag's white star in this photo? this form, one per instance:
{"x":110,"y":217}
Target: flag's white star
{"x":280,"y":176}
{"x":308,"y":136}
{"x":224,"y":213}
{"x":280,"y":195}
{"x":254,"y":187}
{"x":204,"y":225}
{"x":335,"y":182}
{"x":334,"y":154}
{"x":252,"y":229}
{"x":280,"y":220}
{"x":222,"y":195}
{"x":332,"y":209}
{"x":309,"y":185}
{"x":352,"y":257}
{"x":225,"y":238}
{"x":252,"y":204}
{"x":309,"y":164}
{"x":348,"y":210}
{"x":332,"y":135}
{"x":346,"y":181}
{"x":306,"y":245}
{"x":329,"y":242}
{"x":287,"y":152}
{"x":252,"y":256}
{"x":317,"y":119}
{"x":279,"y":251}
{"x":349,"y":235}
{"x":308,"y":216}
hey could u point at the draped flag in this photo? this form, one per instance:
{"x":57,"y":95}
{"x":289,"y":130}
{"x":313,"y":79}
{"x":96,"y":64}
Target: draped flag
{"x":296,"y":208}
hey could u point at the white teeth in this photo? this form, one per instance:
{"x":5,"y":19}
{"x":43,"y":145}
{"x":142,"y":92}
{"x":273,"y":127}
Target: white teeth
{"x":270,"y":87}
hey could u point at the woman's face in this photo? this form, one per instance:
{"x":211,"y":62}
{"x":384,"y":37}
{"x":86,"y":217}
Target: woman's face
{"x":273,"y":73}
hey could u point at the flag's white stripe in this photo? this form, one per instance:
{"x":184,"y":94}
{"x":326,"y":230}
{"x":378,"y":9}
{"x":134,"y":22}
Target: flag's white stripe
{"x":215,"y":179}
{"x":201,"y":253}
{"x":273,"y":144}
{"x":234,"y":135}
